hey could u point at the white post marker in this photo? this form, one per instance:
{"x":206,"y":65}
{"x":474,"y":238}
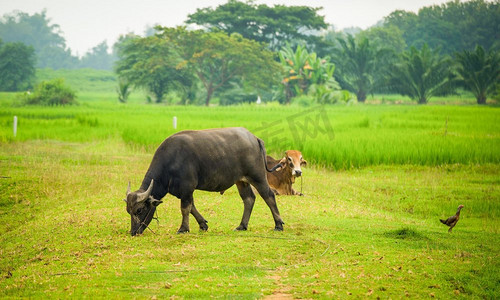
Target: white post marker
{"x":15,"y":126}
{"x":174,"y":122}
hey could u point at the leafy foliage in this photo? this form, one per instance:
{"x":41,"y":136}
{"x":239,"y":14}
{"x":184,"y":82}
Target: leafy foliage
{"x":98,"y":58}
{"x":123,"y":90}
{"x":422,"y":74}
{"x":36,"y":31}
{"x":152,"y":63}
{"x":51,"y":93}
{"x":361,"y":65}
{"x":388,"y":37}
{"x":479,"y":71}
{"x":17,"y":66}
{"x":454,"y":26}
{"x":218,"y":60}
{"x":306,"y":73}
{"x":275,"y":26}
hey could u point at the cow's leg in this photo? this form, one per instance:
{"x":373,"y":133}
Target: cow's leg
{"x":186,"y":206}
{"x":294,"y":192}
{"x":267,"y":194}
{"x":248,"y":197}
{"x":199,"y":218}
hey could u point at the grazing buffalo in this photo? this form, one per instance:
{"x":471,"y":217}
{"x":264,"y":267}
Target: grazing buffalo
{"x":282,"y":179}
{"x":210,"y":160}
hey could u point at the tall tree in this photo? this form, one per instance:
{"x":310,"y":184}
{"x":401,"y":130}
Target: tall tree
{"x":389,"y":37}
{"x":453,"y":26}
{"x":36,"y":30}
{"x":17,"y":66}
{"x":360,"y":65}
{"x":98,"y":58}
{"x":479,"y":72}
{"x":151,"y":63}
{"x":422,"y":74}
{"x":275,"y":25}
{"x":218,"y":59}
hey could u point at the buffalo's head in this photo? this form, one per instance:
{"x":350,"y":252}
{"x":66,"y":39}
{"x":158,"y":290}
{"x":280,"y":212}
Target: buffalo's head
{"x":141,"y":206}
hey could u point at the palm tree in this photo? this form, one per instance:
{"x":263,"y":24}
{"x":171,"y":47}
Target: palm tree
{"x":479,"y":71}
{"x":359,"y":65}
{"x":123,"y":90}
{"x":422,"y":74}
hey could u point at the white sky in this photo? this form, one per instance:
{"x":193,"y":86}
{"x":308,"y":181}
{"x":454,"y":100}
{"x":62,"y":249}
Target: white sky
{"x":86,"y":23}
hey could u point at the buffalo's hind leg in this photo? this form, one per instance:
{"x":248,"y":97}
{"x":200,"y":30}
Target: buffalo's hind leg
{"x":267,"y":194}
{"x":248,"y":198}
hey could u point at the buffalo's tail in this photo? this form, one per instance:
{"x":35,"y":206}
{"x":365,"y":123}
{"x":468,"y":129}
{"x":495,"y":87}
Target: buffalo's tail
{"x":263,"y":152}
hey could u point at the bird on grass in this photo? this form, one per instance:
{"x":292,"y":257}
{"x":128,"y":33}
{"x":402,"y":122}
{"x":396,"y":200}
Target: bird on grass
{"x":452,"y":221}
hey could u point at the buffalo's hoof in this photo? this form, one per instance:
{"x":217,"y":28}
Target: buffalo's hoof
{"x":241,"y":228}
{"x":279,"y":227}
{"x":182,"y":231}
{"x":203,"y":226}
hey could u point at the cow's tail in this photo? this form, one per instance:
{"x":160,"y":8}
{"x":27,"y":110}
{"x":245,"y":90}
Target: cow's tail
{"x":263,"y":152}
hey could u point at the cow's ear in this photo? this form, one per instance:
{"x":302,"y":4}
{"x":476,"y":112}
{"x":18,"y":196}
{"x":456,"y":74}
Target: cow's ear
{"x":282,"y":162}
{"x":303,"y":162}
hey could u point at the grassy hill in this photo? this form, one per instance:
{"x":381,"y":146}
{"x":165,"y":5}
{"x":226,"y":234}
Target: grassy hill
{"x":82,"y":80}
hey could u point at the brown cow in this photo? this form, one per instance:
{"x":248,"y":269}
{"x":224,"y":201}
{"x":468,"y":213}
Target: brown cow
{"x":282,"y":179}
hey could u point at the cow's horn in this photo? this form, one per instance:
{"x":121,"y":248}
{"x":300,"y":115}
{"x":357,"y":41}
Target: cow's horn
{"x":128,"y":188}
{"x":143,"y":196}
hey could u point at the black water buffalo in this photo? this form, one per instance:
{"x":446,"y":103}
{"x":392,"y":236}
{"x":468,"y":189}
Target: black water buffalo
{"x":210,"y":160}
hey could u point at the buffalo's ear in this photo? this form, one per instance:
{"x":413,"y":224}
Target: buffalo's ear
{"x":303,"y":162}
{"x":154,"y":201}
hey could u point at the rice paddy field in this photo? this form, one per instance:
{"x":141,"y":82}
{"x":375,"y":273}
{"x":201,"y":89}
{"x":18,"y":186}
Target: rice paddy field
{"x":337,"y":137}
{"x":379,"y":178}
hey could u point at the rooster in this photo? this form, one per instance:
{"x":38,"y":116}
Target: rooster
{"x":452,"y":221}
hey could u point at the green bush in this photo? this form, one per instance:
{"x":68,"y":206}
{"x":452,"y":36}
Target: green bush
{"x":303,"y":100}
{"x":53,"y":92}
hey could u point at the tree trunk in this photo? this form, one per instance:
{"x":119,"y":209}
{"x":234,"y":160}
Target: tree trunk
{"x":210,"y":91}
{"x":159,"y":97}
{"x":361,"y":96}
{"x":422,"y":100}
{"x":481,"y":99}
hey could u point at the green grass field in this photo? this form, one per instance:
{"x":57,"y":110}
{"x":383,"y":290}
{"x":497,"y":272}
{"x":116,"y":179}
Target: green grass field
{"x":379,"y":178}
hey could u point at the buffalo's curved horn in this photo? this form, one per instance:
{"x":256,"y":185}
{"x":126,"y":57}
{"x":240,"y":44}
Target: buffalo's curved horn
{"x":143,"y":196}
{"x":128,"y":189}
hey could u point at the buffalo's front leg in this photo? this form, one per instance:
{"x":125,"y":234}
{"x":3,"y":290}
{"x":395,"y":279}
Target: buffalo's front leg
{"x":199,"y":218}
{"x":186,"y":206}
{"x":248,"y":197}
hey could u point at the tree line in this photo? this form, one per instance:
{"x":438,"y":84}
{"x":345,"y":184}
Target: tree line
{"x":246,"y":50}
{"x":49,"y":44}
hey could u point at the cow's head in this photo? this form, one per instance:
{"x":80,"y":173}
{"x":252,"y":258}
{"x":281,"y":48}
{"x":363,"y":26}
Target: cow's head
{"x":141,"y":206}
{"x":293,"y":161}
